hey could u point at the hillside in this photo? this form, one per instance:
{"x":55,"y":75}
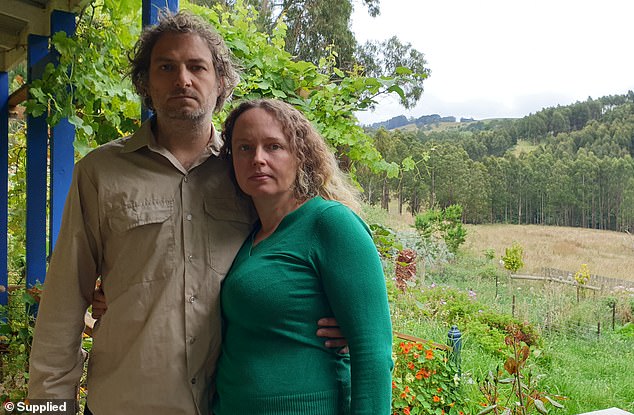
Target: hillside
{"x":563,"y":166}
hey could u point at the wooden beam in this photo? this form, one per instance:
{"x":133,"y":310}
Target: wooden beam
{"x":557,"y":280}
{"x":18,"y":96}
{"x":37,"y":18}
{"x":411,"y":338}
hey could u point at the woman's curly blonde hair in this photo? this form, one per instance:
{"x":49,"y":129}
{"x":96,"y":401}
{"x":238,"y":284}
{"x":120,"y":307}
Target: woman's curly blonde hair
{"x":318,"y":173}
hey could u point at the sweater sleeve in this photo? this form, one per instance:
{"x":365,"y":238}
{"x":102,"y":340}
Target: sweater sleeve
{"x":56,"y":361}
{"x":352,"y":275}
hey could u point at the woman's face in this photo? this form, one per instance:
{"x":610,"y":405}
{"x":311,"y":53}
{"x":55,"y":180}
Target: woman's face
{"x":264,"y":166}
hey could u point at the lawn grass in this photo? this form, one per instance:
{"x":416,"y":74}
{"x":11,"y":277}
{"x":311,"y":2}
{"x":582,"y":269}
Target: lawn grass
{"x":594,"y":374}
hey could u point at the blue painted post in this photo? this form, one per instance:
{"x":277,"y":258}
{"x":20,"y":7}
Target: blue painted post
{"x":152,"y":9}
{"x":150,"y":12}
{"x":36,"y":168}
{"x":4,"y":178}
{"x":62,"y":137}
{"x":455,"y":341}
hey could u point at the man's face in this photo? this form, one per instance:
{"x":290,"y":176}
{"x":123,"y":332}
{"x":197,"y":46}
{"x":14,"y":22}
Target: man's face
{"x":182,"y":79}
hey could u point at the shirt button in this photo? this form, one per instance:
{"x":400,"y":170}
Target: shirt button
{"x":193,"y":381}
{"x":189,"y":216}
{"x":190,"y":257}
{"x":186,"y":179}
{"x":192,"y":299}
{"x":191,"y":340}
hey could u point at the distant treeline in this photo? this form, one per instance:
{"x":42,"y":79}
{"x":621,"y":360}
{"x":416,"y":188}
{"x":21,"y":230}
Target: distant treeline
{"x":566,"y":165}
{"x":402,"y":121}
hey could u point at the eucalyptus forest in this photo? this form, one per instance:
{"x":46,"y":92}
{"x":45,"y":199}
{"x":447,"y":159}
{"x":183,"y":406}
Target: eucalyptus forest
{"x":568,"y":165}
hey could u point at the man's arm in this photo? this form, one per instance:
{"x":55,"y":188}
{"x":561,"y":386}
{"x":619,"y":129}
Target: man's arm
{"x":328,"y":328}
{"x":56,"y":361}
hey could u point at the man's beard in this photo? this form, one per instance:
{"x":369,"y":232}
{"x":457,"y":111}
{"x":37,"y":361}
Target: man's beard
{"x":187,"y":114}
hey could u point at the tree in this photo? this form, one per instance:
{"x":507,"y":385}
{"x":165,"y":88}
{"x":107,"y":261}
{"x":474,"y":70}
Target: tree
{"x":477,"y":199}
{"x":391,"y":57}
{"x":448,"y":168}
{"x":316,"y":28}
{"x":559,"y":122}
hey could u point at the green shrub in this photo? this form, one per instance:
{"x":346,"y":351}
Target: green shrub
{"x":627,"y":330}
{"x":489,"y":254}
{"x":385,"y":240}
{"x":513,"y":257}
{"x":483,"y":325}
{"x":445,"y":224}
{"x":16,"y":335}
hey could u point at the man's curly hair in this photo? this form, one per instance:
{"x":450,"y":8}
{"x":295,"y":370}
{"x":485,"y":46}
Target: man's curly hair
{"x":186,"y":23}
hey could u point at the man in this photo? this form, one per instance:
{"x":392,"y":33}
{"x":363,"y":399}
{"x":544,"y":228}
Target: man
{"x":157,"y":216}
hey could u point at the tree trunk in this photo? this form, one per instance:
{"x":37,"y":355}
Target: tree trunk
{"x":385,"y":197}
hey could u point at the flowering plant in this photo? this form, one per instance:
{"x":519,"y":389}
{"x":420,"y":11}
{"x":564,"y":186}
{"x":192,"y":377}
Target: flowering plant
{"x":517,"y":394}
{"x":425,"y":381}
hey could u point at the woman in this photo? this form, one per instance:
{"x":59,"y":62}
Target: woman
{"x":308,"y":256}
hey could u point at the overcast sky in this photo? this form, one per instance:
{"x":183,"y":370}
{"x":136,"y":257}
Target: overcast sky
{"x":507,"y":58}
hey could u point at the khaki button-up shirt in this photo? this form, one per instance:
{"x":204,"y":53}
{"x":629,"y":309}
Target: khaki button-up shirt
{"x":162,"y":239}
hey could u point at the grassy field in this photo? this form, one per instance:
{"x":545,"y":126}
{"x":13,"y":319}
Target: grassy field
{"x":607,"y":253}
{"x":523,"y":146}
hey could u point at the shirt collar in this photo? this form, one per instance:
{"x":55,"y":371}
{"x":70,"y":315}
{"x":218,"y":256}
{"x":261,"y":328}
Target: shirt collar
{"x":144,"y":137}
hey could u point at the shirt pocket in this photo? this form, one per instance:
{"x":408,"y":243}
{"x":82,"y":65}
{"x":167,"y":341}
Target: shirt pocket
{"x":142,"y":245}
{"x":229,"y":221}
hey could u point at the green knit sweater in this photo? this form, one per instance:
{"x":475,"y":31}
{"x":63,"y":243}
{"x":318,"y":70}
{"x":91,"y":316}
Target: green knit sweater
{"x":319,"y":262}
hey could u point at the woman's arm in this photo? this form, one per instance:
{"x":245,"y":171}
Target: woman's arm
{"x":352,"y":275}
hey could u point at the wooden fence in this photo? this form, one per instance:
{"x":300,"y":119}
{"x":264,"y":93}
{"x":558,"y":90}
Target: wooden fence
{"x":595,"y":283}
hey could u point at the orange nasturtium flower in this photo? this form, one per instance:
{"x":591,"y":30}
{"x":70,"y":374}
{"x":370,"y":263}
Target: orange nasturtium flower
{"x":406,"y":410}
{"x":429,"y":354}
{"x":436,"y":398}
{"x":424,"y":373}
{"x":406,"y":347}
